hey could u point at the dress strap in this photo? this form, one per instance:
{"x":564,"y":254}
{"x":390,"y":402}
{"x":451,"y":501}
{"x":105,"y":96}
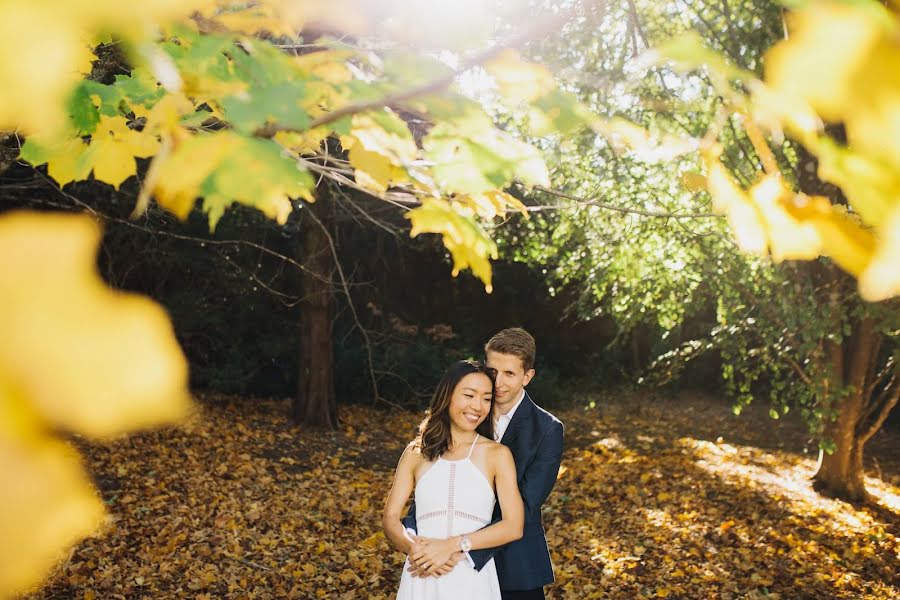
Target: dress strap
{"x":475,"y":441}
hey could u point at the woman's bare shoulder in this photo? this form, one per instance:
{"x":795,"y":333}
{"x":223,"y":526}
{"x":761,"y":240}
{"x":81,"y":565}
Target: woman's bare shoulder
{"x":496,"y":449}
{"x":413,"y":453}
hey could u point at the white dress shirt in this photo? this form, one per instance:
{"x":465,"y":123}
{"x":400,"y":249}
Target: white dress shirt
{"x":501,"y":423}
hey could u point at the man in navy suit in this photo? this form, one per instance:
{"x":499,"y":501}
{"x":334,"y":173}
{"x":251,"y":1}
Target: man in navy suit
{"x":535,"y":438}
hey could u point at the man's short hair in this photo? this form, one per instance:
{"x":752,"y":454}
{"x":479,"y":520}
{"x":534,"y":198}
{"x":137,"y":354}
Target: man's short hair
{"x":515,"y":341}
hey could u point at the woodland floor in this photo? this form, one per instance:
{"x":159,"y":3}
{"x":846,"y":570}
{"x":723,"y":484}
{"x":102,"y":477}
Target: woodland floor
{"x":659,"y":498}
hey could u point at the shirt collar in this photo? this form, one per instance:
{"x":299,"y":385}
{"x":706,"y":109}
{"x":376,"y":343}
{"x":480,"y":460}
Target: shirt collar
{"x":515,"y":407}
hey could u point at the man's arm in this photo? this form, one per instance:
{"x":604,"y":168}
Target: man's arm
{"x":409,"y":521}
{"x":479,"y":558}
{"x":537,"y":482}
{"x":540,"y":476}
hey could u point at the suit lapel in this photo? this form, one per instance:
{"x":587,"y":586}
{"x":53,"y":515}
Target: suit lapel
{"x":523,"y":414}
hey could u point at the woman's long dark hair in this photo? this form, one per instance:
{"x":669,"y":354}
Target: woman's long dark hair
{"x":434,"y":431}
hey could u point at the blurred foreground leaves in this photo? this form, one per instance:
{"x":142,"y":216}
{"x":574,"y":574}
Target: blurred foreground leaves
{"x":832,"y":86}
{"x":75,"y":358}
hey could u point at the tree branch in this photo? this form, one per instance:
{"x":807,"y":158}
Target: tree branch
{"x":888,"y":400}
{"x":613,"y":207}
{"x":877,"y":379}
{"x":632,"y":9}
{"x":538,"y":29}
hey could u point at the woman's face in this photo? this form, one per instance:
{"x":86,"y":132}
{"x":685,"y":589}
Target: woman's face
{"x":470,"y":403}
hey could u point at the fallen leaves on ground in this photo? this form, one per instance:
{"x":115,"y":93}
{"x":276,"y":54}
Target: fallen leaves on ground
{"x":656,"y":499}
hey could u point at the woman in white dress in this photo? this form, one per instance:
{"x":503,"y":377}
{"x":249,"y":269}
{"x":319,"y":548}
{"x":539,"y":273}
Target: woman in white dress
{"x":455,"y":468}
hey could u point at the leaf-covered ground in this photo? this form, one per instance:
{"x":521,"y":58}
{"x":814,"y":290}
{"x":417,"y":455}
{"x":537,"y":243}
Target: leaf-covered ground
{"x":657,"y":499}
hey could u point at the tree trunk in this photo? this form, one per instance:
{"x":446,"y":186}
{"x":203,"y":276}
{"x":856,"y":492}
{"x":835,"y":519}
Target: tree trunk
{"x":639,"y":346}
{"x":315,"y":404}
{"x":841,"y":474}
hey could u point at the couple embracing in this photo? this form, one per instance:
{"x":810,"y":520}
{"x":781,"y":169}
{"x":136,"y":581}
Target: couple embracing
{"x":482,"y":465}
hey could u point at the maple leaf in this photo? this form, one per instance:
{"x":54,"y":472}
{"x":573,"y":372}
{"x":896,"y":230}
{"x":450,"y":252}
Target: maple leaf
{"x":113,"y":148}
{"x":75,"y":357}
{"x":465,"y":240}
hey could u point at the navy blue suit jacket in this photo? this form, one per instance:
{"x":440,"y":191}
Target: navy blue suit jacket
{"x":535,"y":438}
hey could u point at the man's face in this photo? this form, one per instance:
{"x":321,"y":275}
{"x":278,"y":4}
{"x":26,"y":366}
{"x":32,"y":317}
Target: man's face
{"x":511,"y":376}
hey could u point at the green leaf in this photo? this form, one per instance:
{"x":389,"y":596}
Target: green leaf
{"x":262,"y":65}
{"x":89,"y":100}
{"x":408,"y":70}
{"x":195,"y":119}
{"x":256,"y":173}
{"x":450,"y":106}
{"x":279,"y":104}
{"x":485,"y":161}
{"x":688,"y":51}
{"x":83,"y":113}
{"x":202,"y":61}
{"x":828,"y":446}
{"x":35,"y":152}
{"x":140,"y":87}
{"x":559,"y":112}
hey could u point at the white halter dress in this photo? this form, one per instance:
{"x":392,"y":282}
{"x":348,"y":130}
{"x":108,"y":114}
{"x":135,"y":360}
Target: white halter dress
{"x":453,"y":498}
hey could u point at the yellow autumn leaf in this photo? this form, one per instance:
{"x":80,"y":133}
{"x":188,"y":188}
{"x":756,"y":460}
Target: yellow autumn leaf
{"x":794,"y":66}
{"x":276,"y":206}
{"x":467,"y":243}
{"x":775,"y":112}
{"x":87,"y":359}
{"x":177,"y":183}
{"x":519,"y":80}
{"x":279,"y":17}
{"x":844,"y":238}
{"x":78,"y":357}
{"x":788,"y":238}
{"x":165,"y":115}
{"x":692,"y":181}
{"x":871,"y":185}
{"x":373,"y":540}
{"x":397,"y":145}
{"x":881,"y":278}
{"x":856,"y":82}
{"x":50,"y":41}
{"x":729,"y":199}
{"x":373,"y":171}
{"x":114,"y":146}
{"x":151,"y":178}
{"x":490,"y":204}
{"x":45,"y":67}
{"x":328,"y":65}
{"x":66,"y":163}
{"x":379,"y":155}
{"x":306,"y":142}
{"x":872,"y":117}
{"x":112,"y":162}
{"x":46,"y":506}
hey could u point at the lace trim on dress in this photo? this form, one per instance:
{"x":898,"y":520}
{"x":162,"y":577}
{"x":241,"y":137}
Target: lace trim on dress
{"x":458,"y":513}
{"x":451,"y":499}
